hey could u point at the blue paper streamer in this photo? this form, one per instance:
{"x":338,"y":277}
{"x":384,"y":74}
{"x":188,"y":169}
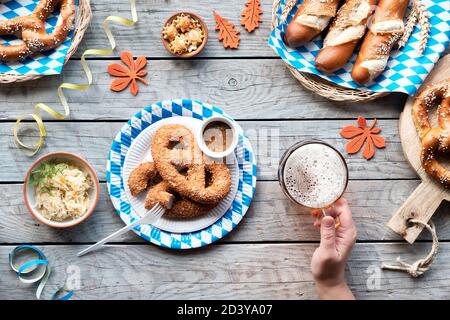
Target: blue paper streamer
{"x":35,"y":271}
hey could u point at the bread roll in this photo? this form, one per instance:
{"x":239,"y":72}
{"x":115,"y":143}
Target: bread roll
{"x":386,"y":28}
{"x":312,"y":17}
{"x":344,"y":35}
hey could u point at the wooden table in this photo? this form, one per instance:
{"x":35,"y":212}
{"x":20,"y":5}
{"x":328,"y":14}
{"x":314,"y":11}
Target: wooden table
{"x":268,"y":255}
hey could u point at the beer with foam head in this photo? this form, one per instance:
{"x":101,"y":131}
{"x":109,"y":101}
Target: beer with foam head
{"x":313,"y":174}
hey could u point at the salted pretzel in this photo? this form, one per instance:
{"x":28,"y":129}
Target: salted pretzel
{"x":31,"y":29}
{"x":435,"y":140}
{"x":180,"y":162}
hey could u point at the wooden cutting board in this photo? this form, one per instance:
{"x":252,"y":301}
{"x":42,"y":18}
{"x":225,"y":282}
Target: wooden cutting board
{"x":424,"y":201}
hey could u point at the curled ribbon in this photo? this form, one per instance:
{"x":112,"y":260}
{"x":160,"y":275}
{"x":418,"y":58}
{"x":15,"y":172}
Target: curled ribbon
{"x":36,"y":270}
{"x":35,"y":115}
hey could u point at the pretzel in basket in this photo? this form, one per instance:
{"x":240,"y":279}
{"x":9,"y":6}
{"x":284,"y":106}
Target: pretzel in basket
{"x":31,"y":29}
{"x":435,"y":140}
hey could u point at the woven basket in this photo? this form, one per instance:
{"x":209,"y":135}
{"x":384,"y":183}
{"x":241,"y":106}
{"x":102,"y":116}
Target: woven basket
{"x":323,"y":87}
{"x":84,"y":15}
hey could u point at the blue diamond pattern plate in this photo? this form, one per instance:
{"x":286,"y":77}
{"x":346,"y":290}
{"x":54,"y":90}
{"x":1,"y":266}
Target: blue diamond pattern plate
{"x":405,"y":71}
{"x":116,"y":158}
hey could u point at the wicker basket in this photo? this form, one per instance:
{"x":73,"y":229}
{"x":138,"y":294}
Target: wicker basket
{"x":84,"y":15}
{"x":323,"y":87}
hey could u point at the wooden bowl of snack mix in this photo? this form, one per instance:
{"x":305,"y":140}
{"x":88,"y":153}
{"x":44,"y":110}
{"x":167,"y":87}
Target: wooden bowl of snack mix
{"x":184,"y":34}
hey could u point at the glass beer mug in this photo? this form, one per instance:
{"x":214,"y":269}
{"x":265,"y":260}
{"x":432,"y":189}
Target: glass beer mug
{"x":313,"y":174}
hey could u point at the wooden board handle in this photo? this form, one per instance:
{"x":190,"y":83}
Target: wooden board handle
{"x":420,"y":205}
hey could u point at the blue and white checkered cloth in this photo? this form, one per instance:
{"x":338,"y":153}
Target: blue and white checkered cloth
{"x":45,"y":63}
{"x":405,"y":71}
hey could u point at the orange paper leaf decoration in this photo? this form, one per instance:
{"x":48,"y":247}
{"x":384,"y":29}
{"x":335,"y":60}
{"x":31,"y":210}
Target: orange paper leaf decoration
{"x":252,"y":15}
{"x":362,"y":136}
{"x":227,"y":32}
{"x":128,"y":75}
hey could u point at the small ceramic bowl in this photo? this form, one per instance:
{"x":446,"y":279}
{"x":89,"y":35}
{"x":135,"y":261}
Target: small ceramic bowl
{"x":200,"y":48}
{"x":29,"y":190}
{"x":202,"y":144}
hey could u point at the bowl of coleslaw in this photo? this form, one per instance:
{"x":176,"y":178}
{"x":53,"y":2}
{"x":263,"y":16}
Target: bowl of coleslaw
{"x":61,"y":189}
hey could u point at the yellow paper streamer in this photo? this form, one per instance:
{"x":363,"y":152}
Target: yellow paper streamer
{"x":35,"y":115}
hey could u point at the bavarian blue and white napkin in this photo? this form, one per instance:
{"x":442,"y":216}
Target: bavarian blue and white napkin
{"x":45,"y":63}
{"x":405,"y":71}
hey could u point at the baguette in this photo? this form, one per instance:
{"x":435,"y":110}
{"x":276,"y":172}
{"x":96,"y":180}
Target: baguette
{"x":344,"y":35}
{"x":385,"y":30}
{"x":312,"y":17}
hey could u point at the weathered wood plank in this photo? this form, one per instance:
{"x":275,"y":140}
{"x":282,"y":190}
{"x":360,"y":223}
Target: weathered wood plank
{"x":270,"y":218}
{"x":145,"y":37}
{"x":246,"y":89}
{"x":269,"y":139}
{"x":260,"y":271}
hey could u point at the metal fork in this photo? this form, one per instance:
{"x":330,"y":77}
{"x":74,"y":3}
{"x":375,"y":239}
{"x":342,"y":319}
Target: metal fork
{"x":150,"y":217}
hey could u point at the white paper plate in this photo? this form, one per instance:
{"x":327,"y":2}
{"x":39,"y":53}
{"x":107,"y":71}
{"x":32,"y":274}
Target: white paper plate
{"x":140,"y":152}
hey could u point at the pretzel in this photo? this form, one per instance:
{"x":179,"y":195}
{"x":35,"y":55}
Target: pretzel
{"x":31,"y":29}
{"x":435,"y":140}
{"x":140,"y":177}
{"x":180,"y":162}
{"x":159,"y":193}
{"x":175,"y":205}
{"x":145,"y":176}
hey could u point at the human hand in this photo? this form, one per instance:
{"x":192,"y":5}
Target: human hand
{"x":337,"y":237}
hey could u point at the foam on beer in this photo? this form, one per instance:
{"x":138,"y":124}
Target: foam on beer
{"x":315,"y":175}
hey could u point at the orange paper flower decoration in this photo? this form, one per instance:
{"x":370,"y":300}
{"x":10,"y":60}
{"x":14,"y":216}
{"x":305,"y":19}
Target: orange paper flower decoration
{"x":362,"y":136}
{"x":128,"y":75}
